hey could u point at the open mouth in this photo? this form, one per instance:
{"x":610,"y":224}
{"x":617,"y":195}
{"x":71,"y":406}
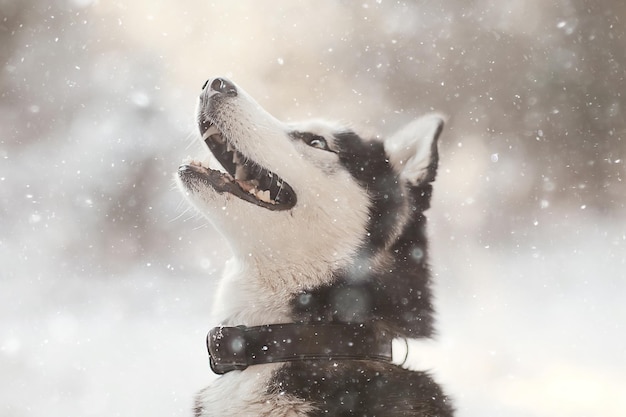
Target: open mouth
{"x":243,"y":177}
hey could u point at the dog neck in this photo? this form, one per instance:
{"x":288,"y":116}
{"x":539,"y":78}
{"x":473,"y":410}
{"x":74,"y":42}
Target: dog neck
{"x":257,"y":290}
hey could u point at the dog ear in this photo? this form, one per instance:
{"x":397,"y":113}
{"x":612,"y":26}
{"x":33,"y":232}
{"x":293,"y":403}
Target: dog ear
{"x":412,"y":150}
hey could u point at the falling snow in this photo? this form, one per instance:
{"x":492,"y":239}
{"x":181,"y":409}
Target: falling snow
{"x":106,"y":276}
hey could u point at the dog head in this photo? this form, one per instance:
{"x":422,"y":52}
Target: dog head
{"x":308,"y":194}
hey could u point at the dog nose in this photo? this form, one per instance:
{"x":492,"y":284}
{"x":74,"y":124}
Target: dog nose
{"x":222,"y":86}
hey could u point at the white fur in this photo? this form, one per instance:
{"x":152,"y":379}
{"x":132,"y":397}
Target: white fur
{"x":410,"y":148}
{"x":244,"y":393}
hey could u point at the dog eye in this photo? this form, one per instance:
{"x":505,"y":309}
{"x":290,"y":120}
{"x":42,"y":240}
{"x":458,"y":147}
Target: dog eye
{"x":318,"y":142}
{"x":311,"y":139}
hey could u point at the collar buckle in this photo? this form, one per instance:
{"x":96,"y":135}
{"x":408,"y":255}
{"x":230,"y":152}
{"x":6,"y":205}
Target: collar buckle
{"x":227,"y":349}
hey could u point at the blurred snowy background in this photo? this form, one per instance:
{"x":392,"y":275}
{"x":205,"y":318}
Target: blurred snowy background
{"x":105,"y":276}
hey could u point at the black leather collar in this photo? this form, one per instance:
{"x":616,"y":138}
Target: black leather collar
{"x":236,"y":348}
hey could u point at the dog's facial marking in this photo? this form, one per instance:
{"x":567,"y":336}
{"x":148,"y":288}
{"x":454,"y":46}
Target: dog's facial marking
{"x":389,"y":279}
{"x":368,"y":163}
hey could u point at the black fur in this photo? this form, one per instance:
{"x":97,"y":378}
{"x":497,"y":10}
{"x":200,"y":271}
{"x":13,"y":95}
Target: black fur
{"x":397,"y":292}
{"x":362,"y":389}
{"x":394,"y":294}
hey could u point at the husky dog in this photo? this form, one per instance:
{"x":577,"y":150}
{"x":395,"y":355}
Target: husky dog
{"x":329,"y":275}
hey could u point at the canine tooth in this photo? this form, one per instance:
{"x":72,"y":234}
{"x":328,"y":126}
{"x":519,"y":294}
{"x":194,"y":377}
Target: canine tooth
{"x":212,"y":130}
{"x":240,"y":173}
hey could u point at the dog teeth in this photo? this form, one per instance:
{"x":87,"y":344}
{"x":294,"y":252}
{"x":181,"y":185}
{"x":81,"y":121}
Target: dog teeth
{"x":241,"y":172}
{"x":264,"y":196}
{"x":212,"y":130}
{"x":250,"y":188}
{"x":196,"y":162}
{"x":247,"y":186}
